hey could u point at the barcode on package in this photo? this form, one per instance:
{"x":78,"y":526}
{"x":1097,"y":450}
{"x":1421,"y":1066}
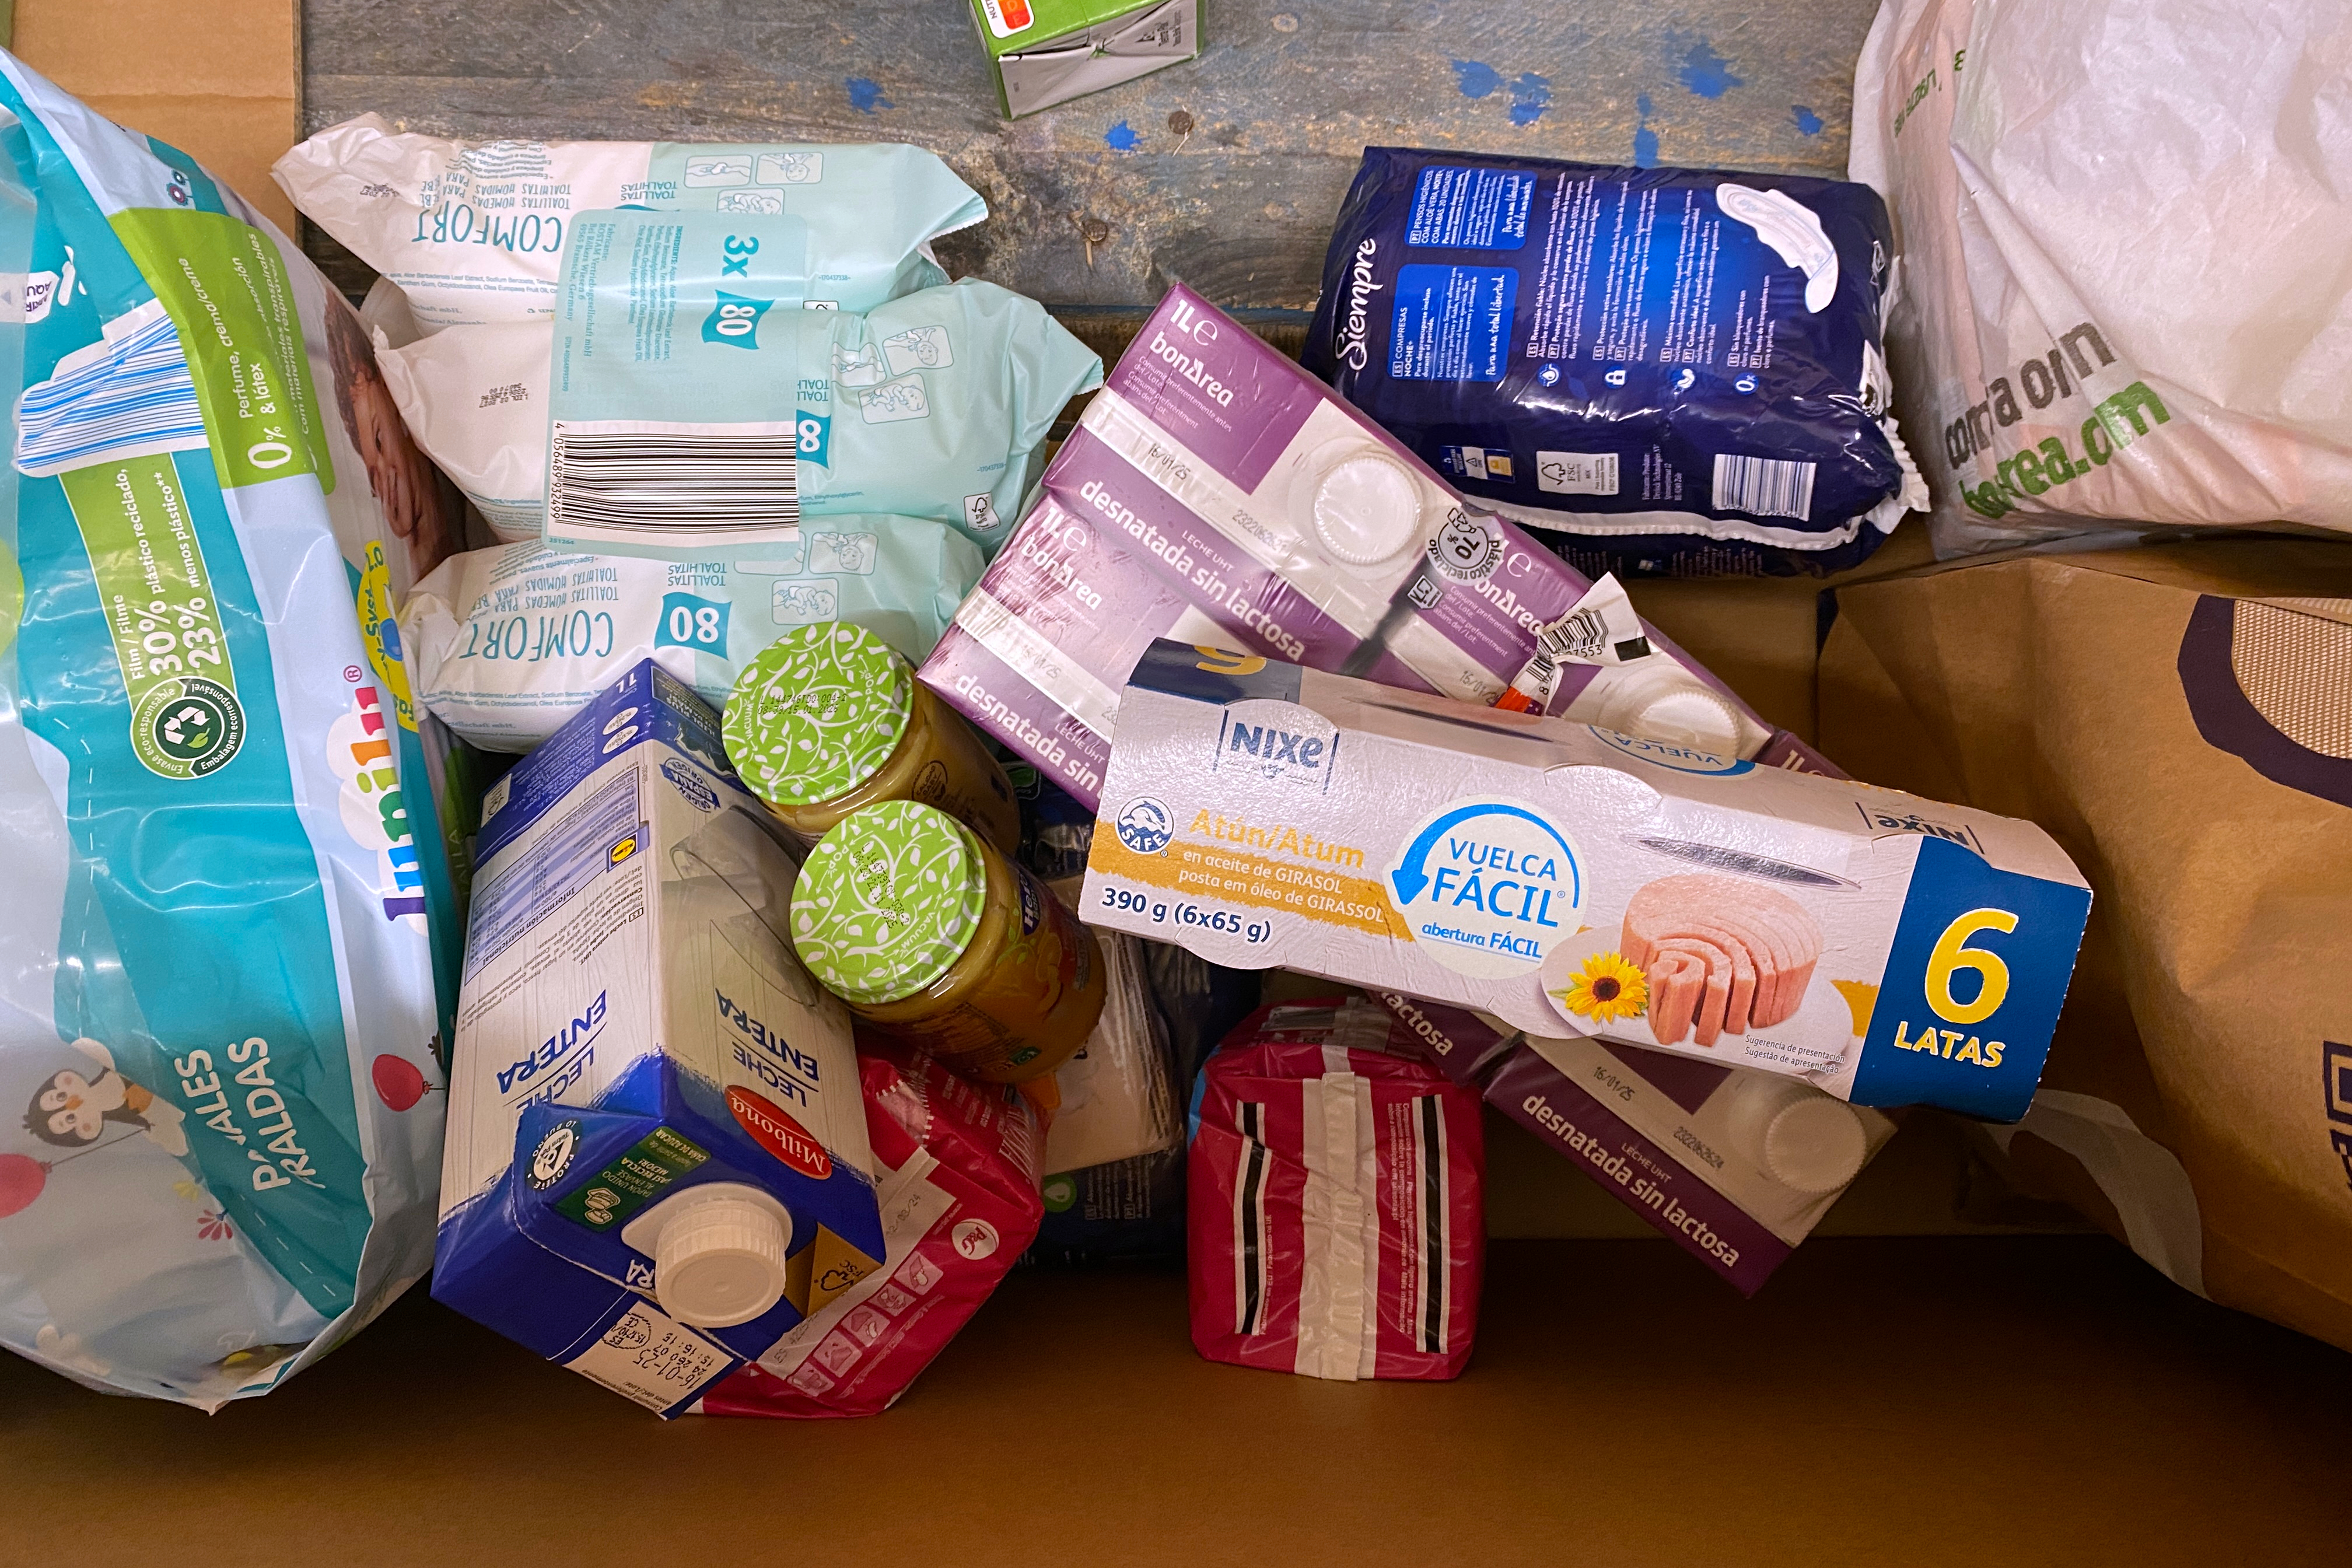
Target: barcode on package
{"x":1763,"y":487}
{"x":1581,"y":635}
{"x":715,"y":483}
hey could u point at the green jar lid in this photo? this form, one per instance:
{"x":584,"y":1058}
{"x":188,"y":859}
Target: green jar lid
{"x":817,"y":712}
{"x":888,"y":901}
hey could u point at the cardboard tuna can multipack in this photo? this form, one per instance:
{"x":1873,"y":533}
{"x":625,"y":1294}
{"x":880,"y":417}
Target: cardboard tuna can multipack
{"x":1571,"y":880}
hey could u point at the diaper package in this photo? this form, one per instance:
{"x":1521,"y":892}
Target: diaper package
{"x":1678,"y":370}
{"x":473,"y":232}
{"x":505,"y":645}
{"x":956,"y":1166}
{"x":690,"y":404}
{"x":1572,"y":880}
{"x":1734,"y":1167}
{"x":1214,"y":492}
{"x":657,"y":1160}
{"x":1337,"y":1224}
{"x":230,"y":928}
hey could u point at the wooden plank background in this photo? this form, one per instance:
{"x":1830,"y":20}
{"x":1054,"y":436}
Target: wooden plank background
{"x":1283,"y":100}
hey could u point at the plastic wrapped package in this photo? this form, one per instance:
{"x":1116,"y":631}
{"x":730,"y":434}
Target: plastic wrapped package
{"x":507,"y":643}
{"x":1215,"y":493}
{"x":956,"y":1164}
{"x":212,"y":1170}
{"x":1677,"y":370}
{"x":2123,"y":226}
{"x":933,"y":404}
{"x":473,"y":232}
{"x":1336,"y":1224}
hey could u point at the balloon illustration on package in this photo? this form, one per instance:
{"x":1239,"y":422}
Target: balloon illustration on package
{"x":398,"y":1083}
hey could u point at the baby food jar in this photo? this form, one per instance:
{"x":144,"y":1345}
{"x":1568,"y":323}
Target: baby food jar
{"x":934,"y":937}
{"x":828,"y":719}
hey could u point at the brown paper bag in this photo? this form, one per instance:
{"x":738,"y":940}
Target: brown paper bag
{"x":2180,"y":718}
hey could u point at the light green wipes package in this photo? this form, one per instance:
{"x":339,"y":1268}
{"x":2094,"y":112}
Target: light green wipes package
{"x":505,"y":645}
{"x":695,"y":405}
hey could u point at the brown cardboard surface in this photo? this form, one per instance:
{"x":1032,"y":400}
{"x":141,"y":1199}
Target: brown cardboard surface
{"x":220,"y":79}
{"x":2046,"y":1400}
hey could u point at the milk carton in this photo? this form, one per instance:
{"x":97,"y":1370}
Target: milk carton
{"x":657,"y":1161}
{"x":1572,"y":880}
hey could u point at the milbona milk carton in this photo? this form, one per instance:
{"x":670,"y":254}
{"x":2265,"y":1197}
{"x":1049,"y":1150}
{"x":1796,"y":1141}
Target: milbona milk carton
{"x":1575,"y":880}
{"x":656,"y":1161}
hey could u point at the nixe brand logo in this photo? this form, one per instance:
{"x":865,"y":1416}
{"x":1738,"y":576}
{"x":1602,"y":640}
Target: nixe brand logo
{"x":1356,"y":318}
{"x":1277,"y":740}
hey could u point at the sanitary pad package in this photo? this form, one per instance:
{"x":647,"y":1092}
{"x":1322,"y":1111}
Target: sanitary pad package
{"x":1574,"y":880}
{"x":1216,"y":492}
{"x":1679,"y":370}
{"x":957,"y":1167}
{"x":657,"y":1159}
{"x":475,"y":232}
{"x":224,"y":896}
{"x":505,"y":645}
{"x":1335,"y":1222}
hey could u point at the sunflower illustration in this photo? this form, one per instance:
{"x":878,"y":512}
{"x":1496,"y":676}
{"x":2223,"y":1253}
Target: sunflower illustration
{"x":1606,"y":989}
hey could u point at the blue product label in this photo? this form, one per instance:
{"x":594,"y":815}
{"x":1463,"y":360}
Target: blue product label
{"x":1452,"y":324}
{"x":690,"y":621}
{"x":812,"y":437}
{"x":1471,"y":209}
{"x":1979,"y":966}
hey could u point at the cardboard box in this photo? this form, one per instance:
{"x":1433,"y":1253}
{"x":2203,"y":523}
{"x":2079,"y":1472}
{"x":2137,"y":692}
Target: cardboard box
{"x":1045,"y":52}
{"x":1573,"y":880}
{"x":658,"y":1162}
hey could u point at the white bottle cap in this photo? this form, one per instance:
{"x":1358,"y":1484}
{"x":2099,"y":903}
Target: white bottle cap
{"x":1368,"y":509}
{"x":720,"y":1261}
{"x":1694,"y":716}
{"x":1813,"y":1144}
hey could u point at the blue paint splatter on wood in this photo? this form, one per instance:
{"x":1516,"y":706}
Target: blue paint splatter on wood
{"x":1122,"y":136}
{"x":866,"y":95}
{"x":1645,"y":141}
{"x":1808,"y":122}
{"x":1531,"y":96}
{"x":1707,"y":73}
{"x":1476,"y":78}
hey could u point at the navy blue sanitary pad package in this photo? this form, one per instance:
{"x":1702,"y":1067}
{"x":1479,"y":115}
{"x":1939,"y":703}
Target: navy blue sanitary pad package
{"x":1674,"y":372}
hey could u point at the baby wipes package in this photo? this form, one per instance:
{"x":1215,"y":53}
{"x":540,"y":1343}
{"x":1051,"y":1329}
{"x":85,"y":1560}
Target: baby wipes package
{"x":1572,"y":880}
{"x":1216,"y":492}
{"x":1679,"y":370}
{"x":229,"y":929}
{"x":657,"y":1160}
{"x":685,"y":400}
{"x":956,"y":1166}
{"x":473,"y":232}
{"x":505,"y":645}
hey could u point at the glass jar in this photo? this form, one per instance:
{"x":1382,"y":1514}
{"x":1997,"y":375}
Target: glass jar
{"x":934,"y":937}
{"x":828,"y":719}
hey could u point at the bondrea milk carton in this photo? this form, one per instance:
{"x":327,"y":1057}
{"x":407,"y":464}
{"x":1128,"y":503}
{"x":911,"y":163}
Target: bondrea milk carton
{"x":1572,"y":880}
{"x":656,"y":1161}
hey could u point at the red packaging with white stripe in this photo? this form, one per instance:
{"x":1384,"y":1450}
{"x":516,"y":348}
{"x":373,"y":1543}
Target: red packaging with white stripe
{"x":1335,"y":1215}
{"x":957,"y":1172}
{"x":1216,"y":494}
{"x":1734,"y":1167}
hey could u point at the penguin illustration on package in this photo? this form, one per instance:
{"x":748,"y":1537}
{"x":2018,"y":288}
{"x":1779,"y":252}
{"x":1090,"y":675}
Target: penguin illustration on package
{"x":71,"y":1110}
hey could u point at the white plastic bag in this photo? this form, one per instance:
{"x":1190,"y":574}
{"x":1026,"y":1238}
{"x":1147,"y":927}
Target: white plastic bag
{"x":2125,"y":226}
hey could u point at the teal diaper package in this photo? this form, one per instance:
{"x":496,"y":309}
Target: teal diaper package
{"x":230,"y":933}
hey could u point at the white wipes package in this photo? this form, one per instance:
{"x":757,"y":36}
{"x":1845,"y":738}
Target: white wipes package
{"x":505,"y":645}
{"x":2123,"y":225}
{"x":475,"y":231}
